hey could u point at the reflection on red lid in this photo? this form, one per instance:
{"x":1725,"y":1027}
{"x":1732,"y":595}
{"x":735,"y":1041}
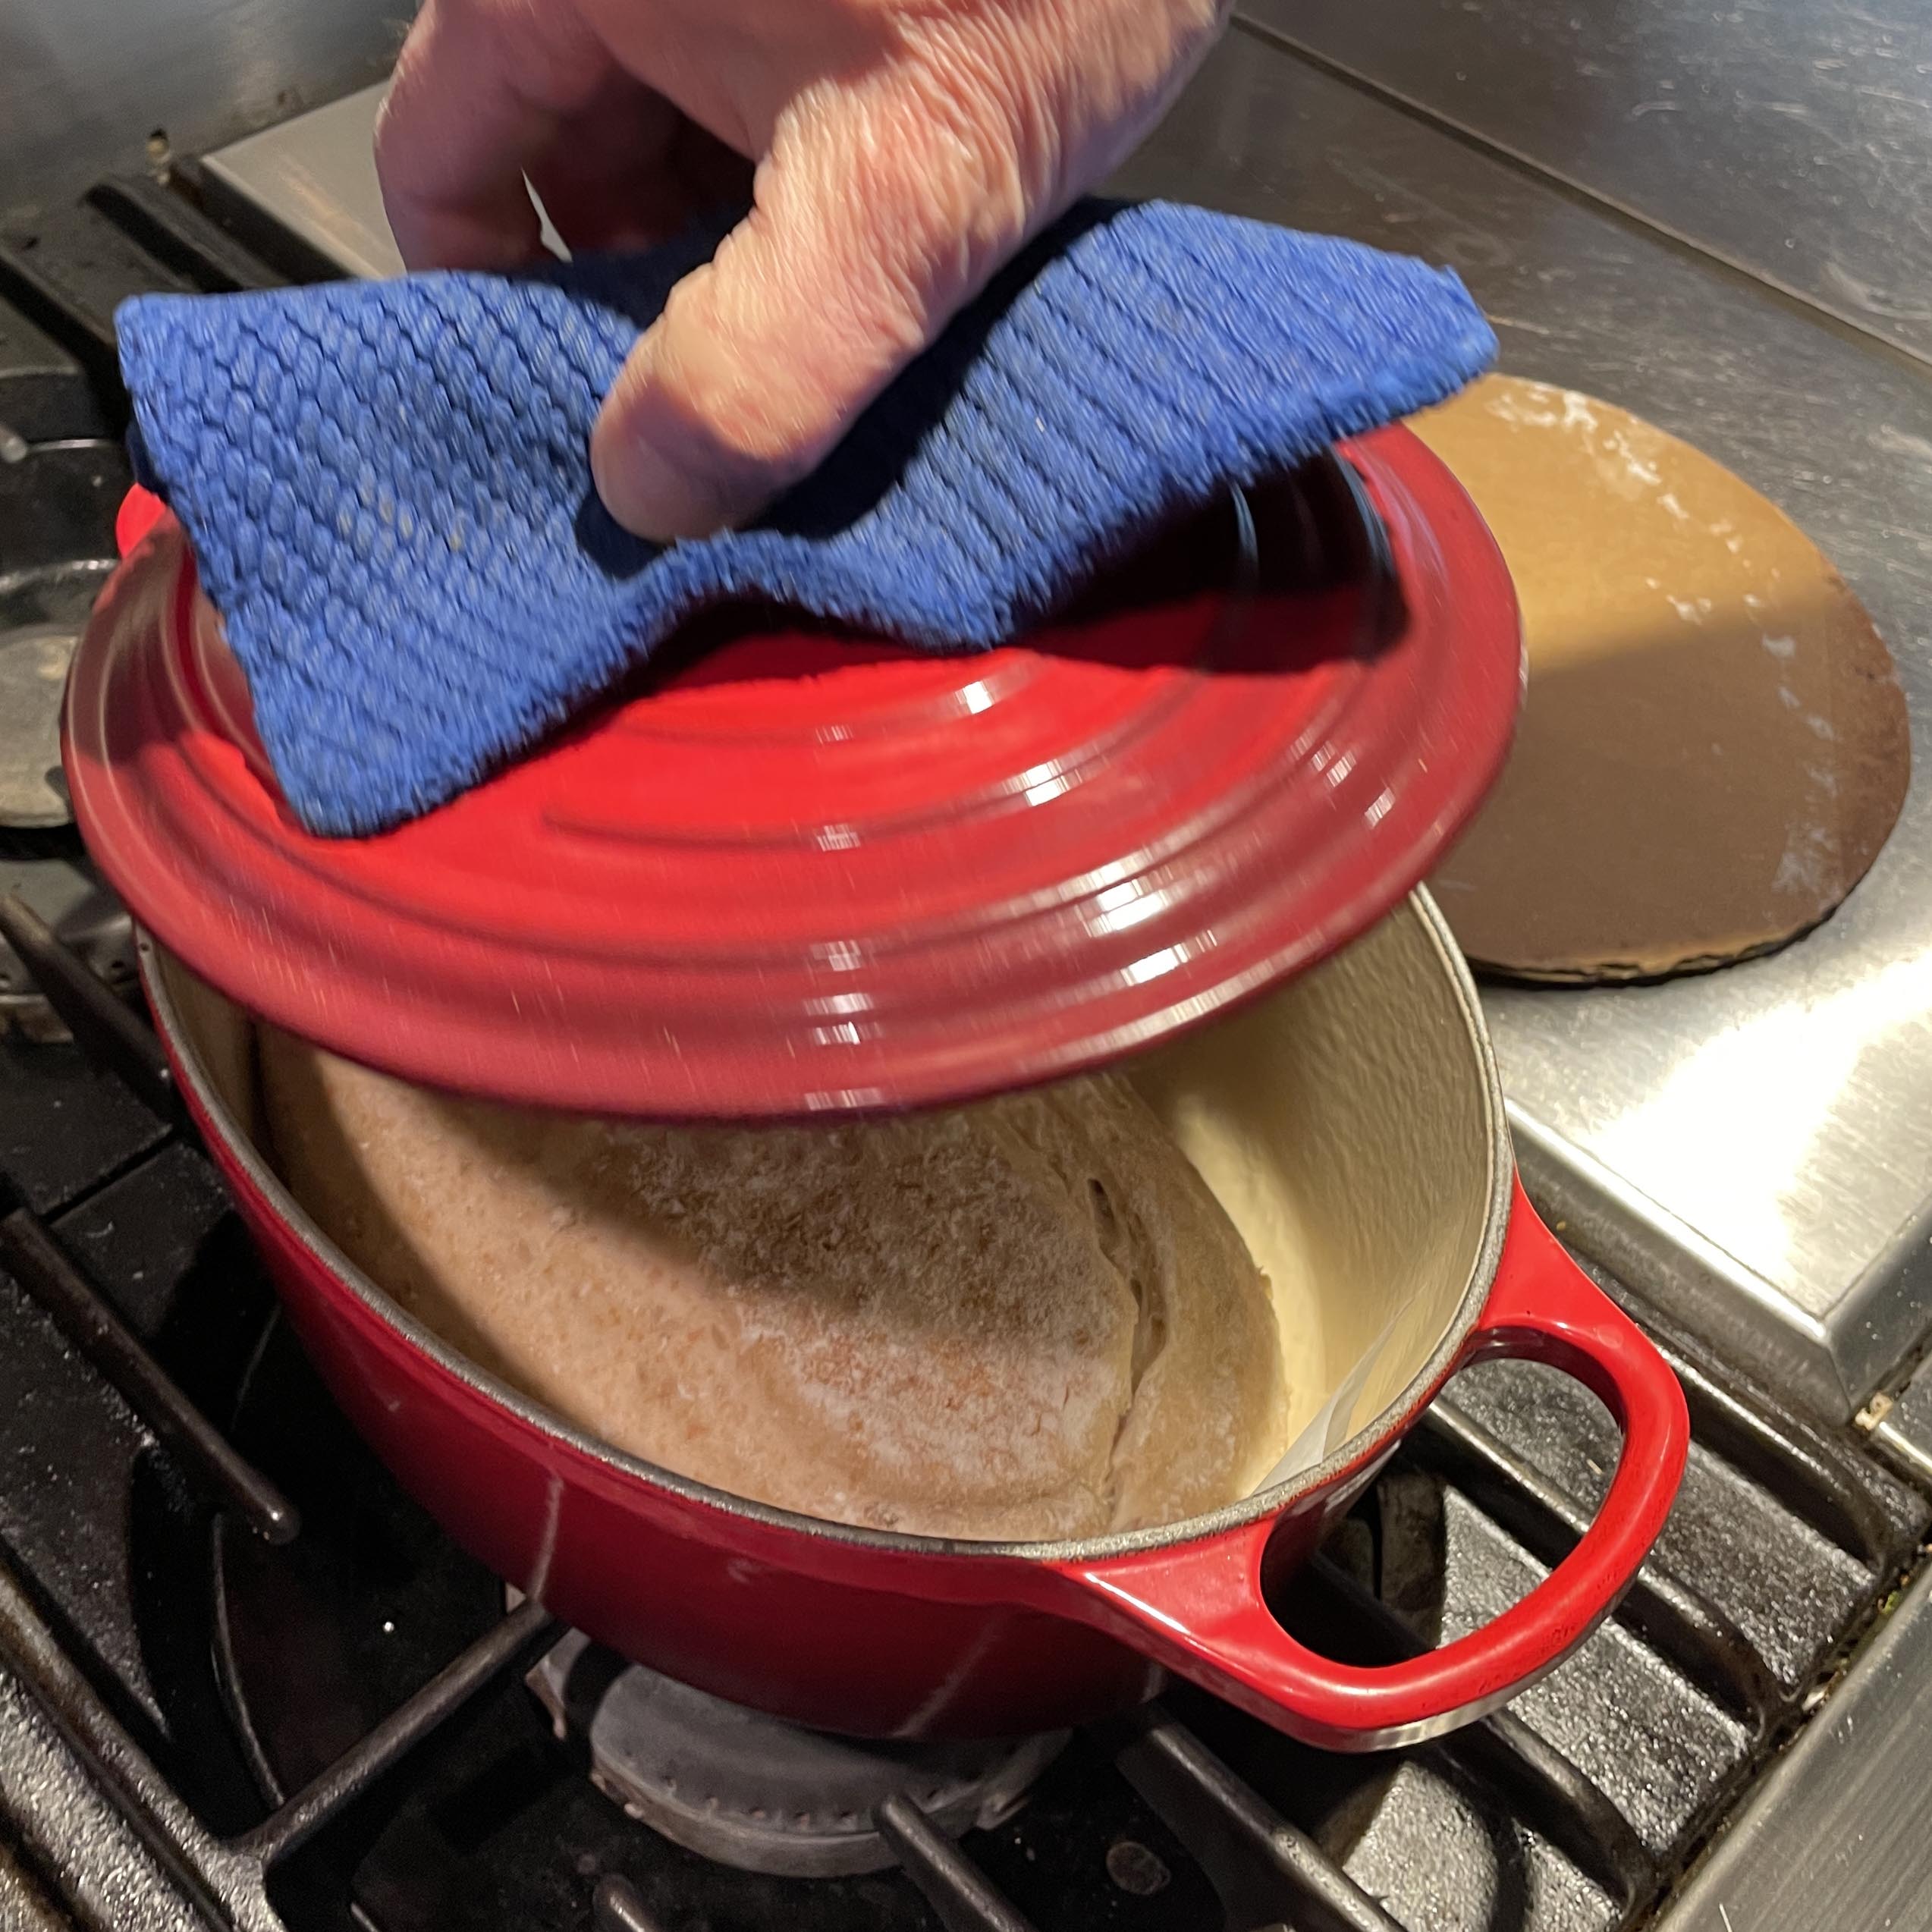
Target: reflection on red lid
{"x":793,"y":871}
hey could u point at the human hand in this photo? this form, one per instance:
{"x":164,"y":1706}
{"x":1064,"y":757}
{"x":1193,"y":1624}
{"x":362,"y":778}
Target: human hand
{"x":904,"y":150}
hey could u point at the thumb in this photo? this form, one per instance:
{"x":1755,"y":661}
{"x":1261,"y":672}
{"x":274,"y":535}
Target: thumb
{"x":865,"y":239}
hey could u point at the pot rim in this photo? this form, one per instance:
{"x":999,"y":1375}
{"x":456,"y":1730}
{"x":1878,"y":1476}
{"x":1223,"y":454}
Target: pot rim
{"x":1271,"y":1501}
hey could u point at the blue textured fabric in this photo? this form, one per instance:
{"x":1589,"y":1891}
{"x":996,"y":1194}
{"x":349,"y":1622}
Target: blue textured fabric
{"x":388,"y":490}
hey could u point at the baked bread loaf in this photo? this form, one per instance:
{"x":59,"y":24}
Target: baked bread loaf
{"x":1026,"y":1319}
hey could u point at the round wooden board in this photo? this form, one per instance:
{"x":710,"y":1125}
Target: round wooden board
{"x":1714,"y":746}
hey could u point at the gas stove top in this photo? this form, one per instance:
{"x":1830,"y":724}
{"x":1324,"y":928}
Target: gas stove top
{"x":244,"y":1682}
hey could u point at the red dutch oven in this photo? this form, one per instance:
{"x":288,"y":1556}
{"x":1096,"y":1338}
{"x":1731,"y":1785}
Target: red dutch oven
{"x":1333,"y":1040}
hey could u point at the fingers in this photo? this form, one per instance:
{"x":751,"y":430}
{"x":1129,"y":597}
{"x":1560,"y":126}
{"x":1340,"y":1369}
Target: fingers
{"x":879,"y":213}
{"x":907,"y":152}
{"x":480,"y":94}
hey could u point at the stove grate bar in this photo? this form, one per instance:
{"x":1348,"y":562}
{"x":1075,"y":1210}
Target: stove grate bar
{"x":1682,"y":1625}
{"x":1266,"y":1871}
{"x":109,"y":1032}
{"x":169,"y":226}
{"x":958,"y":1891}
{"x":37,"y":1261}
{"x":618,"y":1906}
{"x":1542,"y":1787}
{"x":1547,"y":1792}
{"x":1811,"y":1475}
{"x":113,"y":1034}
{"x":70,"y":268}
{"x":227,"y":1878}
{"x":224,"y":1886}
{"x":513,"y":1645}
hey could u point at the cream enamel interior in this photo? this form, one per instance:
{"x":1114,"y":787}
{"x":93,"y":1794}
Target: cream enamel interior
{"x":1349,"y":1123}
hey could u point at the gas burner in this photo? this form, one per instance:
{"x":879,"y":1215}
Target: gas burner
{"x":57,"y":509}
{"x":756,"y":1793}
{"x":41,"y":613}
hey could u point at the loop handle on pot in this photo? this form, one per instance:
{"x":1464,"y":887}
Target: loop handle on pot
{"x":1199,"y":1608}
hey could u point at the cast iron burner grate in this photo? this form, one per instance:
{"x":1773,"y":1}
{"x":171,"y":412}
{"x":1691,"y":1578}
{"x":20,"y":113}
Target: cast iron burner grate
{"x":243,"y":1680}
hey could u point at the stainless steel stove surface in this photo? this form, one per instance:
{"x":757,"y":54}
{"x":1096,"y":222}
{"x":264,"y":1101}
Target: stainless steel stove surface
{"x":244,"y":1682}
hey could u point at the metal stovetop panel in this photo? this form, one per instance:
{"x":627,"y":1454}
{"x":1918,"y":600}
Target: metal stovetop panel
{"x":1792,"y":137}
{"x":106,"y":86}
{"x":1836,"y":1836}
{"x":316,"y":174}
{"x":1754,"y":1148}
{"x":1771,"y":1124}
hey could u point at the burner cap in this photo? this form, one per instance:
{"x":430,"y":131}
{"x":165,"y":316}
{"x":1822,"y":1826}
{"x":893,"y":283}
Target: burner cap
{"x":753,"y":1791}
{"x":42,"y":615}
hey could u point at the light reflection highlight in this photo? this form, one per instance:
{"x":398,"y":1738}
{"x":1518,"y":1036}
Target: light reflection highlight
{"x":1741,"y":1111}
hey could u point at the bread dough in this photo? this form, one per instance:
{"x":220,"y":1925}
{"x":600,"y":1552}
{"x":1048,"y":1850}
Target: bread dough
{"x":1713,"y":746}
{"x":1027,"y":1319}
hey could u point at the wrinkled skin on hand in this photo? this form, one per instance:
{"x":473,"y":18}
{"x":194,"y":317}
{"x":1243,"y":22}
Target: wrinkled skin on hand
{"x":897,"y":152}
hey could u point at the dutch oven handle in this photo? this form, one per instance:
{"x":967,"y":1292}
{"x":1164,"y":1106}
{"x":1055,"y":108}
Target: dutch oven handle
{"x":1197,"y":1607}
{"x":140,"y":510}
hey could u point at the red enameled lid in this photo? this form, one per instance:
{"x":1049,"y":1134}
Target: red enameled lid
{"x":790,"y":871}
